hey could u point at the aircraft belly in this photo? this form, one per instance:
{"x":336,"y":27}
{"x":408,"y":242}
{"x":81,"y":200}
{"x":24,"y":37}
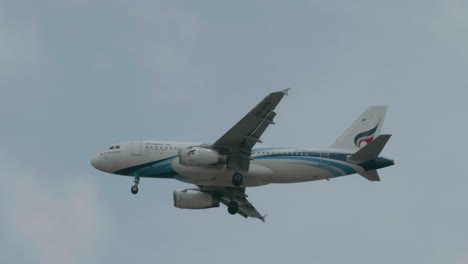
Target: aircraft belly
{"x":221,"y":175}
{"x":291,"y":171}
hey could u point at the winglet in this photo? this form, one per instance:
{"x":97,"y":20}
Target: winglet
{"x":263,"y":218}
{"x":285,"y":91}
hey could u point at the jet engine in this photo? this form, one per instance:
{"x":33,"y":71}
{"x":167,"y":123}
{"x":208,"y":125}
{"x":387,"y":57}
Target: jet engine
{"x":194,"y":199}
{"x":198,"y":156}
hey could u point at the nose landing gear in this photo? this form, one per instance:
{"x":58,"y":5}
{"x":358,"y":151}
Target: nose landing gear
{"x":134,"y":188}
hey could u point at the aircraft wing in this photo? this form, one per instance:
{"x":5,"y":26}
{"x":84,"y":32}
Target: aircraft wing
{"x":237,"y":143}
{"x":228,"y":194}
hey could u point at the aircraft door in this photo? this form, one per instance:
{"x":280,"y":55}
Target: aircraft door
{"x":324,"y":158}
{"x":136,"y":148}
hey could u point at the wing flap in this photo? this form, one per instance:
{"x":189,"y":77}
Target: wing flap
{"x":246,"y":209}
{"x":228,"y":194}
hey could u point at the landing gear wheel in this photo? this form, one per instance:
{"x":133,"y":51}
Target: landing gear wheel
{"x":233,"y":207}
{"x":237,"y":179}
{"x":134,"y":189}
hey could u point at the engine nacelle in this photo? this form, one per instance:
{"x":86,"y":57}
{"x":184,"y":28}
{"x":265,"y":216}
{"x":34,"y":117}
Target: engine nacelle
{"x":198,"y":156}
{"x":194,"y":199}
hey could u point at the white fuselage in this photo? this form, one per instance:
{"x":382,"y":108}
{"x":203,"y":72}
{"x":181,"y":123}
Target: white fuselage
{"x":159,"y":159}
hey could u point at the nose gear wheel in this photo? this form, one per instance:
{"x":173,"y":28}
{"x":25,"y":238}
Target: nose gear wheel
{"x":134,"y":188}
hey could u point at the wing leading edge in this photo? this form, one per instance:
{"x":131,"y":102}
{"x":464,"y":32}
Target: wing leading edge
{"x":237,"y":142}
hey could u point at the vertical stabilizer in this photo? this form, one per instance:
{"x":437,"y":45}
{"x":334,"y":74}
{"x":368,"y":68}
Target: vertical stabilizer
{"x":363,"y":130}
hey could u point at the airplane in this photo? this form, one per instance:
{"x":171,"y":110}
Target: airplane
{"x":222,"y":170}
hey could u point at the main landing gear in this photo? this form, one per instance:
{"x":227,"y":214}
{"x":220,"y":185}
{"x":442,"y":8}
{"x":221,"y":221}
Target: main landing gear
{"x":134,"y":188}
{"x":237,"y":179}
{"x":233,"y":207}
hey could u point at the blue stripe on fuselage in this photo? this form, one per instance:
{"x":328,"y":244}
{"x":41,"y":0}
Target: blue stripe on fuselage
{"x":157,"y":169}
{"x":345,"y":168}
{"x":163,"y":168}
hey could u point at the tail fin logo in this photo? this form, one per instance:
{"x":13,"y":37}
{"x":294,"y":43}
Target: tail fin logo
{"x":365,"y":137}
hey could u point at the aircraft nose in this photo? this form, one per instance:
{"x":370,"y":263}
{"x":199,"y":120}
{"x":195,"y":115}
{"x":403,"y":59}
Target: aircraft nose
{"x":97,"y":162}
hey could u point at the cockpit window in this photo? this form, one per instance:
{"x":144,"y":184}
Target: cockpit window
{"x":117,"y":147}
{"x":112,"y":147}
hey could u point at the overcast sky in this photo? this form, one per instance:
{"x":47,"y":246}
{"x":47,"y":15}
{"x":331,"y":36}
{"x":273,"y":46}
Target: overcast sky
{"x":77,"y":76}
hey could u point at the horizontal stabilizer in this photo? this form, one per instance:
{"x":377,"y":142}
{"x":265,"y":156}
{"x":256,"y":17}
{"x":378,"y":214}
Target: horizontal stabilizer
{"x":370,"y":151}
{"x":371,"y":175}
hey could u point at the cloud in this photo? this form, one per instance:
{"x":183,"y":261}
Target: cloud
{"x":25,"y":66}
{"x":54,"y":223}
{"x":463,"y":259}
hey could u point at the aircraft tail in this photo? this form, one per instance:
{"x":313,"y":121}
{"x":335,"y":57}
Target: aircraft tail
{"x":363,"y":130}
{"x":370,"y":152}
